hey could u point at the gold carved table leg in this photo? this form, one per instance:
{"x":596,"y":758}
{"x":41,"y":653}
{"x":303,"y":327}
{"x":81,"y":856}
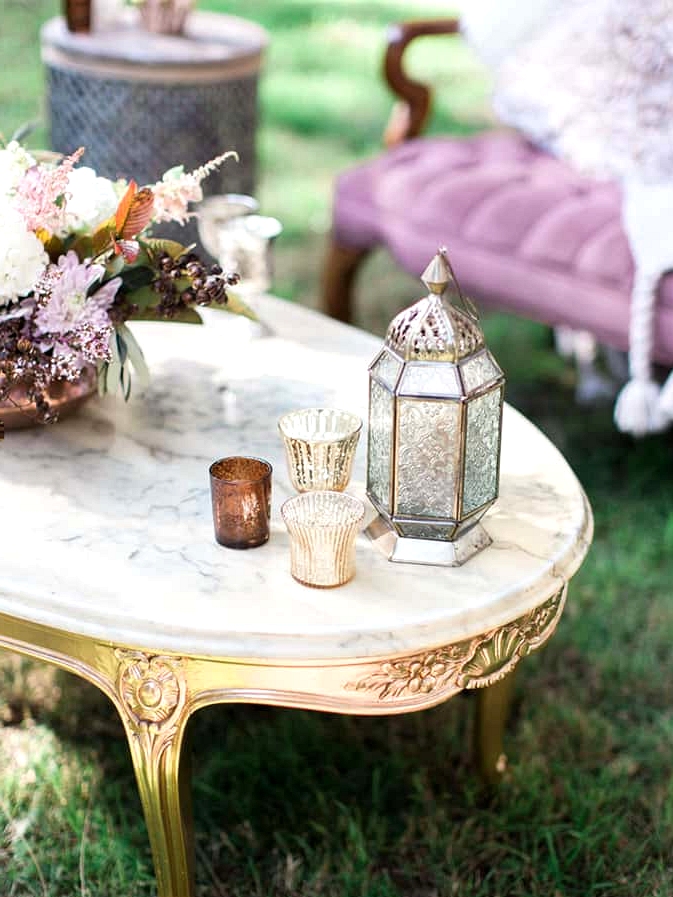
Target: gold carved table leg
{"x":153,"y":694}
{"x":150,"y":693}
{"x":492,"y":710}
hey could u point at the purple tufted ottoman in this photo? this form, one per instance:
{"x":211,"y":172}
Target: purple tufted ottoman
{"x":525,"y":232}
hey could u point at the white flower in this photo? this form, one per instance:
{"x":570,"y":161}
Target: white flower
{"x":90,"y":201}
{"x":173,"y":193}
{"x":22,"y":257}
{"x":14,"y":163}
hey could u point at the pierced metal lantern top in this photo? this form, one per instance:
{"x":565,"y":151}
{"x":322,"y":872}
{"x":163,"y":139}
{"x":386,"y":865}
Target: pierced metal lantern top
{"x":433,"y":329}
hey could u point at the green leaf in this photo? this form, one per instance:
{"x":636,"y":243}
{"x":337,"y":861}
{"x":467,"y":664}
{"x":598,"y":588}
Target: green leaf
{"x":112,"y":374}
{"x":144,"y":298}
{"x":135,"y":356}
{"x":134,"y":277}
{"x":181,"y":283}
{"x":143,"y":259}
{"x":184,"y":316}
{"x":236,"y":306}
{"x":122,"y":349}
{"x":156,"y":246}
{"x":109,"y":372}
{"x":187,"y":316}
{"x":102,"y":378}
{"x":54,"y":248}
{"x":83,"y":246}
{"x":103,"y":237}
{"x":115,"y":266}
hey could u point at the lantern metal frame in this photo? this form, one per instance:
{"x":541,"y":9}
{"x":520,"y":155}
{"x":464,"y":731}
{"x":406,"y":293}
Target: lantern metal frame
{"x":427,"y":538}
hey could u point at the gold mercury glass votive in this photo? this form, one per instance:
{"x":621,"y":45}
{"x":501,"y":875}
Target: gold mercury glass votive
{"x":322,"y":528}
{"x":320,"y":447}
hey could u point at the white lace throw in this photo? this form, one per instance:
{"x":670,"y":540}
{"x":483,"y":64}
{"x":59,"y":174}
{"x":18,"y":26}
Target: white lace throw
{"x":592,"y":82}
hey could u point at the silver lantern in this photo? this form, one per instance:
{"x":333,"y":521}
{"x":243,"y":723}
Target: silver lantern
{"x":435,"y":414}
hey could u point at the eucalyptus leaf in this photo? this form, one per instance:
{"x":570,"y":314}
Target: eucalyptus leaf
{"x":102,"y":378}
{"x":112,"y":375}
{"x":125,"y":380}
{"x":135,"y":356}
{"x":114,"y":350}
{"x":122,"y":348}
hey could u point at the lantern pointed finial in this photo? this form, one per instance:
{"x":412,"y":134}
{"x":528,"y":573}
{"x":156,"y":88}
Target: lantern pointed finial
{"x":437,"y":275}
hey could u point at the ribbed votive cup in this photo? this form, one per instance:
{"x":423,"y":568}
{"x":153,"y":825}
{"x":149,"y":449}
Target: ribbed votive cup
{"x":240,"y":489}
{"x":320,"y":447}
{"x":323,"y":526}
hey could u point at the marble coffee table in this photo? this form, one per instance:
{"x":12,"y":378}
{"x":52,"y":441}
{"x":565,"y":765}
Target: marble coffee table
{"x":131,"y":591}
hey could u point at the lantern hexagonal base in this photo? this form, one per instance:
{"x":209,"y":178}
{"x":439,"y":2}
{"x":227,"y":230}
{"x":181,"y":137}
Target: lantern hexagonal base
{"x":403,"y":550}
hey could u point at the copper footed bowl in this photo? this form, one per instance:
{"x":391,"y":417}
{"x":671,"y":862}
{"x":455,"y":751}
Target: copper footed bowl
{"x":64,"y":398}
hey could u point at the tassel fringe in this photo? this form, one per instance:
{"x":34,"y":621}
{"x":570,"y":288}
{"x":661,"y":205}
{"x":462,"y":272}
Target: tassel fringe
{"x":637,"y":409}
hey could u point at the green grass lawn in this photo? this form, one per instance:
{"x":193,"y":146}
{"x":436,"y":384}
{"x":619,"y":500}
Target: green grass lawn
{"x":313,"y":805}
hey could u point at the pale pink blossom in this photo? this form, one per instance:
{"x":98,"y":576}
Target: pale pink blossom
{"x":177,"y":188}
{"x":70,"y":321}
{"x":41,"y":194}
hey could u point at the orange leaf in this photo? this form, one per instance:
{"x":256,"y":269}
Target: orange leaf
{"x":134,"y":212}
{"x":124,"y":206}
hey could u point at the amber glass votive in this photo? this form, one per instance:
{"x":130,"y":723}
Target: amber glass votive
{"x":323,"y":527}
{"x":240,"y":488}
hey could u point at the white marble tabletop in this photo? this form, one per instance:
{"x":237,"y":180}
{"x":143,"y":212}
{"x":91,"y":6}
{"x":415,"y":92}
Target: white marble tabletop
{"x":106,"y":526}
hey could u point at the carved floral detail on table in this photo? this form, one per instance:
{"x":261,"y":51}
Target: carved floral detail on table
{"x":473,"y":663}
{"x":78,"y":261}
{"x":152,"y":688}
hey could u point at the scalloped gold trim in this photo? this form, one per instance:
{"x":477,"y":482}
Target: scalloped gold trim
{"x":473,"y":663}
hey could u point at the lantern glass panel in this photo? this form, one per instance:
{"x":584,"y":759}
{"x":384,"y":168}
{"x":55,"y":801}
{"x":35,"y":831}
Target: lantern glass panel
{"x":387,"y":368}
{"x":479,"y":370}
{"x":427,"y":458}
{"x":430,"y":379}
{"x":435,"y":531}
{"x":380,"y":443}
{"x":481,"y":451}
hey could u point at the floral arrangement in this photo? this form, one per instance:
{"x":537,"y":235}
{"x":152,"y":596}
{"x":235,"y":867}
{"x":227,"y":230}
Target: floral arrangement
{"x":77,"y":261}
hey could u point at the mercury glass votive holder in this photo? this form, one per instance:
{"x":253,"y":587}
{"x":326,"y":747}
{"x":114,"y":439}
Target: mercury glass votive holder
{"x":241,"y":494}
{"x":215,"y":213}
{"x":322,"y":527}
{"x":320,"y":447}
